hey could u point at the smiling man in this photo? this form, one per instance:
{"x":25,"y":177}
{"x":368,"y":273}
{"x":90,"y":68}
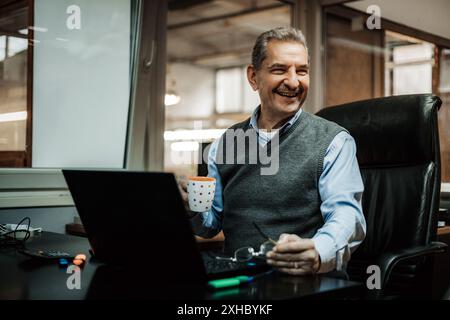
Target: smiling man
{"x":312,"y":204}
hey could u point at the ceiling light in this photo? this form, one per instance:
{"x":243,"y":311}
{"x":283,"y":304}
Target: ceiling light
{"x":171,"y":98}
{"x":13,"y":116}
{"x":184,"y":146}
{"x":204,"y":134}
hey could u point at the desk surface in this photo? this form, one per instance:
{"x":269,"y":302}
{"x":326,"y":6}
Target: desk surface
{"x":25,"y":278}
{"x":443,"y":230}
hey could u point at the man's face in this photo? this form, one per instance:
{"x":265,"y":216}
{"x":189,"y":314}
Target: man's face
{"x":283,"y":79}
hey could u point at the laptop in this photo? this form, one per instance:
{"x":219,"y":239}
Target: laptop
{"x":138,"y":218}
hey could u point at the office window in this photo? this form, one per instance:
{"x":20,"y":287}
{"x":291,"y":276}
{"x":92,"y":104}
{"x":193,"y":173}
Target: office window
{"x":229,"y":87}
{"x":16,"y":45}
{"x":233,"y":92}
{"x":364,"y":64}
{"x":410,"y":65}
{"x":354,"y":59}
{"x":444,"y":113}
{"x":13,"y":87}
{"x":81,"y":83}
{"x":65,"y":90}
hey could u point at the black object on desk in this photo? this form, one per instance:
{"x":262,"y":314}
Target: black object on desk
{"x":132,"y":217}
{"x":22,"y":277}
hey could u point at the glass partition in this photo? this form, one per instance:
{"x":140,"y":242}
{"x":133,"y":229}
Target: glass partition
{"x":65,"y":73}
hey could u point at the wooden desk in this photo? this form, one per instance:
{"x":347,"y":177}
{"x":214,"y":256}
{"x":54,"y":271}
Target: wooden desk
{"x":26,"y":278}
{"x":443,"y":231}
{"x":441,"y":273}
{"x":215,"y":243}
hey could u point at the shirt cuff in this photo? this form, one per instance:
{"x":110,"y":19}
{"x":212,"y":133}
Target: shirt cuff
{"x":326,"y":248}
{"x":200,"y":226}
{"x":197,"y":224}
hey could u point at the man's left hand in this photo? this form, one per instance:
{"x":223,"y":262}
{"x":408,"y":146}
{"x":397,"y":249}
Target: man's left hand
{"x":294,"y":255}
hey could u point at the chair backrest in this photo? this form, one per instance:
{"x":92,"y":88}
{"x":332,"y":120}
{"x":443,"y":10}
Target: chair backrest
{"x":398,"y":153}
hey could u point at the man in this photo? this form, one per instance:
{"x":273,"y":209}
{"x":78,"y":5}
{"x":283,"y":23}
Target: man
{"x":312,"y":204}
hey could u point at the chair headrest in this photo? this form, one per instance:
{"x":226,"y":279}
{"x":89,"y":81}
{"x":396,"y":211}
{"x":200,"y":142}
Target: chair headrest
{"x":388,"y":131}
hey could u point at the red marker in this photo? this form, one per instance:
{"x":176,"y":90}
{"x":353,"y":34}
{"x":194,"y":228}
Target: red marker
{"x":79,"y":259}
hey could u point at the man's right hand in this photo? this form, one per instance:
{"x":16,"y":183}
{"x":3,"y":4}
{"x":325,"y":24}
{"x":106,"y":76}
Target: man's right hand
{"x":294,"y":255}
{"x":182,"y":185}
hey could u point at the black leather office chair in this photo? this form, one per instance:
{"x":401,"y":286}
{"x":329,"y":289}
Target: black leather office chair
{"x":398,"y":154}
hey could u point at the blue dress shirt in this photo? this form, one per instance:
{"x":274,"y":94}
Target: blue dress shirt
{"x":340,"y":189}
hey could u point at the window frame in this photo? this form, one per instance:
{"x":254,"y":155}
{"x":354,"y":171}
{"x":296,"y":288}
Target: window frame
{"x":242,"y":79}
{"x":145,"y":142}
{"x":35,"y":187}
{"x":329,"y":6}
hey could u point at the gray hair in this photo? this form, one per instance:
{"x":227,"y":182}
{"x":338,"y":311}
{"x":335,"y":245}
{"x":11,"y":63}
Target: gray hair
{"x":282,"y":34}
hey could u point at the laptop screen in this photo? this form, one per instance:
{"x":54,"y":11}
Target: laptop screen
{"x":136,"y":218}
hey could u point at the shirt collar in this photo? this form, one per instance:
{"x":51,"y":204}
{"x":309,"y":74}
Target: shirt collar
{"x":256,"y":112}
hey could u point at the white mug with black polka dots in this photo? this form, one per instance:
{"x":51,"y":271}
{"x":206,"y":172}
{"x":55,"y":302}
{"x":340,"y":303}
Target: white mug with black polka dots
{"x":201,"y":193}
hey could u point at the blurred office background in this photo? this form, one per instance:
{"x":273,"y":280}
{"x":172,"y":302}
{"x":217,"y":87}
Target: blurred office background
{"x":66,"y":78}
{"x":209,"y":46}
{"x":55,"y":80}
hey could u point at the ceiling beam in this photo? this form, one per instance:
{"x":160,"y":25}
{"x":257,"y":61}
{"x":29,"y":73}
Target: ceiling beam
{"x":184,"y":4}
{"x":12,"y":34}
{"x":210,"y":56}
{"x":223,"y":17}
{"x":386,"y":24}
{"x":8,"y":5}
{"x":325,"y":3}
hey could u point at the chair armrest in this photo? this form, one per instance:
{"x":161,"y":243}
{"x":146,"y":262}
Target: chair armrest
{"x":388,"y":261}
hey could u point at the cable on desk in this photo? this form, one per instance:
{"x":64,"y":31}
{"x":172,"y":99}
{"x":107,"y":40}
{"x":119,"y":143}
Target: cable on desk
{"x":10,"y":237}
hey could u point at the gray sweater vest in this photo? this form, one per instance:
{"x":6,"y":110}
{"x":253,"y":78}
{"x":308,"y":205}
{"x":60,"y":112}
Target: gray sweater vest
{"x":285,"y":202}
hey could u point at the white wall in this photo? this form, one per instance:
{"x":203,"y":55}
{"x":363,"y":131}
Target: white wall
{"x":52,"y":219}
{"x":431,"y":16}
{"x":81,"y":84}
{"x":195,"y":85}
{"x":15,"y":70}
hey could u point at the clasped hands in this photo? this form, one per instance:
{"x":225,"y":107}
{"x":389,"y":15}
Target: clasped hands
{"x":294,"y":255}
